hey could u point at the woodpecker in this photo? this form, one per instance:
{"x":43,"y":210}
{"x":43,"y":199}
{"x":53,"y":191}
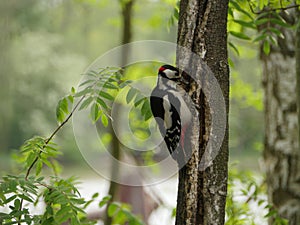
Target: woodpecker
{"x":171,"y":111}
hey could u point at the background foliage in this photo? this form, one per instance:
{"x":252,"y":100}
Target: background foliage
{"x":45,"y":46}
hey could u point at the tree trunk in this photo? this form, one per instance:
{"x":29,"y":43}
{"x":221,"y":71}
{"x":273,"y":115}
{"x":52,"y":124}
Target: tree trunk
{"x":298,"y":69}
{"x":281,"y":152}
{"x":126,"y":10}
{"x":202,"y":187}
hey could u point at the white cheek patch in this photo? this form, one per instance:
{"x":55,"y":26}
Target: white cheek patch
{"x":170,"y":73}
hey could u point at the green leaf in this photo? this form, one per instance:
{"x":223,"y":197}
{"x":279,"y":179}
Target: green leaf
{"x":38,"y":168}
{"x":95,"y":113}
{"x":113,"y":208}
{"x":64,"y":105}
{"x":62,"y":214}
{"x":17,"y":203}
{"x":71,"y":98}
{"x":73,"y":91}
{"x":104,"y":120}
{"x":95,"y":195}
{"x":75,"y":221}
{"x":131,"y":93}
{"x":276,"y":31}
{"x":110,"y":86}
{"x":86,"y":82}
{"x":86,"y":103}
{"x":176,"y":13}
{"x":8,"y":200}
{"x":173,"y":213}
{"x":25,"y":198}
{"x":104,"y":200}
{"x":148,"y":115}
{"x":240,"y":9}
{"x":145,"y":110}
{"x":234,"y":48}
{"x":261,"y":21}
{"x":260,"y":37}
{"x":93,"y":73}
{"x":102,"y":103}
{"x":138,"y":102}
{"x":239,"y":35}
{"x":266,"y":47}
{"x":245,"y":24}
{"x":280,"y":22}
{"x":125,"y":83}
{"x":272,"y":40}
{"x":61,"y":109}
{"x":145,"y":107}
{"x":106,"y":95}
{"x":30,"y":158}
{"x":83,"y":92}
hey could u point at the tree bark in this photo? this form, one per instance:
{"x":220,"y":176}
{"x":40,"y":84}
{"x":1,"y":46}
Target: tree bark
{"x":202,"y":30}
{"x":297,"y":55}
{"x":281,"y":152}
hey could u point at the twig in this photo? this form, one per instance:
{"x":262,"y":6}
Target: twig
{"x":53,"y":134}
{"x":271,"y":9}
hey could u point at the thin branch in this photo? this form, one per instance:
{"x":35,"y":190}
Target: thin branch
{"x":271,"y":9}
{"x":53,"y":134}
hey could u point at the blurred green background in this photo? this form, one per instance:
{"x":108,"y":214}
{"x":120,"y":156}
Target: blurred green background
{"x":46,"y":45}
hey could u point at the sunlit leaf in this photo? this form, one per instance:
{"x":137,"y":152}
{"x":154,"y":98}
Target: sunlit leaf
{"x":112,"y":209}
{"x":39,"y":166}
{"x":104,"y":120}
{"x":240,"y":35}
{"x":266,"y":47}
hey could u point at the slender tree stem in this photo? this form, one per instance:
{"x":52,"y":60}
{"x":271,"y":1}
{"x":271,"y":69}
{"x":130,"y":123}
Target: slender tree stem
{"x":53,"y":134}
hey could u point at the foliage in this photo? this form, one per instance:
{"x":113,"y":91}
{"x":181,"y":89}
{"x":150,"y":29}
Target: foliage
{"x":245,"y":194}
{"x":262,"y":17}
{"x":61,"y":197}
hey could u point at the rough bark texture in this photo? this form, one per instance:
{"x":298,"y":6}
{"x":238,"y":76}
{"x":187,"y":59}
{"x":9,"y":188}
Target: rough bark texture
{"x":202,"y":30}
{"x":281,"y":153}
{"x":298,"y":69}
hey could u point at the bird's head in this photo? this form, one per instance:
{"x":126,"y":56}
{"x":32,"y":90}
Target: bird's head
{"x":169,"y":72}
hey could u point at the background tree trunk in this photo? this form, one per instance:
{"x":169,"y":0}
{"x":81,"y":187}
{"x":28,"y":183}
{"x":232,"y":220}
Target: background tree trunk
{"x":126,"y":12}
{"x":202,"y":30}
{"x":281,"y":153}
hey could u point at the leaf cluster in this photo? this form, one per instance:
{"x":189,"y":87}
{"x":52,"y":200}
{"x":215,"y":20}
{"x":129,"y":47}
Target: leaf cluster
{"x":245,"y":192}
{"x":122,"y":214}
{"x":256,"y":21}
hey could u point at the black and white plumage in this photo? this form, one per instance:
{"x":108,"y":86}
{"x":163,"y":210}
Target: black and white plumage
{"x":170,"y":110}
